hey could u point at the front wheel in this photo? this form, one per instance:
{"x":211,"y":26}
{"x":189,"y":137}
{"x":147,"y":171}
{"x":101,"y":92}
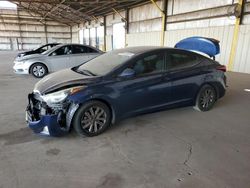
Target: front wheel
{"x":205,"y":99}
{"x":92,"y":118}
{"x":38,"y":70}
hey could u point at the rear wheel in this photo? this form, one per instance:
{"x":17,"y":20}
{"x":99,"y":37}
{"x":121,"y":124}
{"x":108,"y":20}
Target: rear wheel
{"x":38,"y":70}
{"x":92,"y":118}
{"x":205,"y":99}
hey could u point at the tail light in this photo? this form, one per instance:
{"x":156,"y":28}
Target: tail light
{"x":222,"y":68}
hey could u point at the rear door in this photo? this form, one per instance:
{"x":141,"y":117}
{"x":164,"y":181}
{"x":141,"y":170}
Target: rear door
{"x":184,"y":73}
{"x":81,"y":54}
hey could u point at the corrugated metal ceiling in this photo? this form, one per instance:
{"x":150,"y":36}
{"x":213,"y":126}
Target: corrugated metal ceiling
{"x":73,"y":12}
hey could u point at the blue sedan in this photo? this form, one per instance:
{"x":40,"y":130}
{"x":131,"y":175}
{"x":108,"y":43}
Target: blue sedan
{"x":123,"y":83}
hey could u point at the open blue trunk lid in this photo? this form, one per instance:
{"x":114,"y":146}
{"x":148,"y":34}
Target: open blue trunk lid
{"x":205,"y":45}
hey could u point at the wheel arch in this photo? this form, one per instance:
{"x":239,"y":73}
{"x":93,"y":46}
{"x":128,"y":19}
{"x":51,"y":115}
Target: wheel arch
{"x":212,"y":84}
{"x":37,"y":62}
{"x":113,"y":114}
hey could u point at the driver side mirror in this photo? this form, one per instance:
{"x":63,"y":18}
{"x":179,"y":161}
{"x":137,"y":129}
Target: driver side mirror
{"x":127,"y":73}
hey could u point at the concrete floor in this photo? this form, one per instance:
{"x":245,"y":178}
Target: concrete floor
{"x":174,"y":148}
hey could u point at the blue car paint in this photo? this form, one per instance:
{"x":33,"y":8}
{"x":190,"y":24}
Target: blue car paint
{"x":51,"y":121}
{"x":124,"y":95}
{"x":158,"y":91}
{"x":208,"y":46}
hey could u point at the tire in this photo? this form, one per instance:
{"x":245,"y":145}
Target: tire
{"x":92,"y":118}
{"x":205,"y":99}
{"x":38,"y":70}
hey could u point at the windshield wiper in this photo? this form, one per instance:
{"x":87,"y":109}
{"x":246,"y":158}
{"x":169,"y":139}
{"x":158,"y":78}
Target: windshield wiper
{"x":86,"y":72}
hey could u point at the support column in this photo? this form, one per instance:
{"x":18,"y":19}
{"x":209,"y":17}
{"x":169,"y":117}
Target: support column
{"x":165,"y":10}
{"x":20,"y":32}
{"x":235,"y":37}
{"x":105,"y":33}
{"x":127,"y":26}
{"x":163,"y":22}
{"x":71,"y":33}
{"x":46,"y":32}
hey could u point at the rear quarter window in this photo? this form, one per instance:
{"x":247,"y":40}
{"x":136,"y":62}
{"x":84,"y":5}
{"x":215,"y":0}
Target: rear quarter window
{"x":177,"y":60}
{"x":205,"y":61}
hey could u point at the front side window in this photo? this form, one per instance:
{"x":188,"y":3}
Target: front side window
{"x":179,"y":60}
{"x":65,"y":50}
{"x":149,"y":64}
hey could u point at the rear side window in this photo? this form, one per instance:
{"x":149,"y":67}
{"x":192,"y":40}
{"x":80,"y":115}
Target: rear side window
{"x":149,"y":64}
{"x":178,"y":60}
{"x":82,"y":49}
{"x":91,"y":50}
{"x":78,"y":49}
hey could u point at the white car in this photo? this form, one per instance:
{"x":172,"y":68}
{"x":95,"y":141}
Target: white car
{"x":59,"y":57}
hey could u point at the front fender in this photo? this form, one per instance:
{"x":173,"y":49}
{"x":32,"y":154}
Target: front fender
{"x":33,"y":61}
{"x":84,"y":96}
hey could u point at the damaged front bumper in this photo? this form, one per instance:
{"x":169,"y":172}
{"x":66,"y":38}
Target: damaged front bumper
{"x":49,"y":120}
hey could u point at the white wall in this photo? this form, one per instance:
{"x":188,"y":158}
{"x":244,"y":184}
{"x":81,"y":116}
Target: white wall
{"x":242,"y":59}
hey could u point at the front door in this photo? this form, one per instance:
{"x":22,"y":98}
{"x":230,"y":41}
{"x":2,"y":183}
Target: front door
{"x":146,"y":90}
{"x":58,"y":59}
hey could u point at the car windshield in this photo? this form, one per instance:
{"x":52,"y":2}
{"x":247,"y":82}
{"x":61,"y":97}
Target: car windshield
{"x":105,"y":63}
{"x":38,"y":48}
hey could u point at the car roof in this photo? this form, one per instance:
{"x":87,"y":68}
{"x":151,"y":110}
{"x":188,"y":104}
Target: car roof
{"x":138,"y":49}
{"x":144,"y":49}
{"x":61,"y":45}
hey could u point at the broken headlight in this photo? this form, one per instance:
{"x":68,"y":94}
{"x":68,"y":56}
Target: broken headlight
{"x":60,"y":96}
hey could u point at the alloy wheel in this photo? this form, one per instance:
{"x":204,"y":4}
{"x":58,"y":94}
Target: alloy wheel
{"x":93,"y":119}
{"x":207,"y":98}
{"x":38,"y":71}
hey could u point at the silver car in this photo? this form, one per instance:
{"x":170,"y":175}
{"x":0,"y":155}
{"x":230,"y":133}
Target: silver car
{"x":59,"y":57}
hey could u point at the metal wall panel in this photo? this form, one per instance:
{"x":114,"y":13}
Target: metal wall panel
{"x":182,"y":6}
{"x":145,"y":18}
{"x":109,"y":39}
{"x":26,"y":32}
{"x":242,"y":58}
{"x":142,"y":39}
{"x":75,"y":34}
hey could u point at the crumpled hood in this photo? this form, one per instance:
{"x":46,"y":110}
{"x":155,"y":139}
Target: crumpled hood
{"x":62,"y":79}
